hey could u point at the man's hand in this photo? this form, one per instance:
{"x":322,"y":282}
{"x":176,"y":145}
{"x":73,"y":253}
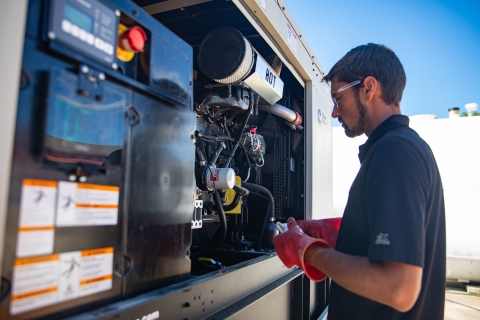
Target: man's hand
{"x":291,"y":247}
{"x":326,"y":229}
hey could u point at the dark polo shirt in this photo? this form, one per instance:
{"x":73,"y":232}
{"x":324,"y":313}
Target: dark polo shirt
{"x":395,"y":212}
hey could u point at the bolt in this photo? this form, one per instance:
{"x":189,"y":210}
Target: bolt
{"x":82,"y":179}
{"x":101,"y":76}
{"x":117,"y":13}
{"x":72,"y":177}
{"x":51,"y":35}
{"x":114,"y":66}
{"x":84,"y":69}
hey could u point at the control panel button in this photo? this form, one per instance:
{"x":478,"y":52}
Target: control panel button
{"x":133,"y":39}
{"x":90,"y":39}
{"x":83,"y":35}
{"x":75,"y":31}
{"x":66,"y":26}
{"x":99,"y":43}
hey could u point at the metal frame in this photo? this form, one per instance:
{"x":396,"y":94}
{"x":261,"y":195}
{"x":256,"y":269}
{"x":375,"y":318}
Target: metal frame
{"x":203,"y":296}
{"x":13,"y":17}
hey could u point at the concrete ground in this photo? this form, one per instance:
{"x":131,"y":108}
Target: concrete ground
{"x":460,"y":304}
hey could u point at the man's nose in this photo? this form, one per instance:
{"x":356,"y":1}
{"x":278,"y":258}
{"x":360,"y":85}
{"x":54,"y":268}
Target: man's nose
{"x":335,"y":112}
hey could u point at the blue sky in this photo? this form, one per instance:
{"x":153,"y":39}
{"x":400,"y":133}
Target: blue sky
{"x":438,"y":43}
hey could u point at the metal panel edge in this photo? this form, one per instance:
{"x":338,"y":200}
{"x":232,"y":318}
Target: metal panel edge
{"x":240,"y":310}
{"x":303,"y":40}
{"x":274,"y":19}
{"x":185,"y":299}
{"x":13,"y":17}
{"x":318,"y":148}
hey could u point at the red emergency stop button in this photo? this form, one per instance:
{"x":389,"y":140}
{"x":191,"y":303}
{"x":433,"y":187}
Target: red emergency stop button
{"x":133,"y":39}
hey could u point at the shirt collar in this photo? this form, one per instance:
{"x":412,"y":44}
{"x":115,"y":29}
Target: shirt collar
{"x":390,"y":123}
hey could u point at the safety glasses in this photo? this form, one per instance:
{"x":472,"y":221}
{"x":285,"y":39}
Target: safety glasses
{"x":343,"y":88}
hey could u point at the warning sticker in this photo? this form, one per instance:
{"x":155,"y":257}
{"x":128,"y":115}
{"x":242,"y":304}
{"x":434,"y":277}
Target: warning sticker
{"x":96,"y":274}
{"x":81,"y":204}
{"x":32,"y":241}
{"x":46,"y":280}
{"x":292,"y":37}
{"x":35,"y":283}
{"x":37,"y":217}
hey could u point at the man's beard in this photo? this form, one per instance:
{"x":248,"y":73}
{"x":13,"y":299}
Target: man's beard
{"x":358,"y":128}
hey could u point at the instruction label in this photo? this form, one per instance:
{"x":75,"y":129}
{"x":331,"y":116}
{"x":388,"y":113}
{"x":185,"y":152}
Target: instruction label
{"x":36,"y":217}
{"x":46,"y":280}
{"x":292,"y":37}
{"x":81,"y":204}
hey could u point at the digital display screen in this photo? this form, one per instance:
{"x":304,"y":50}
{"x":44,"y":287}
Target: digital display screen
{"x":81,"y":129}
{"x":89,"y":123}
{"x":78,"y":18}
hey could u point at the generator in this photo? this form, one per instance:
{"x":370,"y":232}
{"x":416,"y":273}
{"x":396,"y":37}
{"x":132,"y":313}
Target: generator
{"x":153,"y":146}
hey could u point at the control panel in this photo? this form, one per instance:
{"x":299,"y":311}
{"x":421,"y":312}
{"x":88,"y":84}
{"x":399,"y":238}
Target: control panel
{"x":86,"y":26}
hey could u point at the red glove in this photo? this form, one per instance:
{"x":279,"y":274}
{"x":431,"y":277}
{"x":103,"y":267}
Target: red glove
{"x":326,"y":229}
{"x":291,"y":247}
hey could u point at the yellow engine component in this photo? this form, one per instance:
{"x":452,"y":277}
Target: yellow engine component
{"x":230,"y":195}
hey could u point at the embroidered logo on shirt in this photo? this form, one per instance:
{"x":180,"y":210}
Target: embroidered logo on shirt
{"x":382,"y":238}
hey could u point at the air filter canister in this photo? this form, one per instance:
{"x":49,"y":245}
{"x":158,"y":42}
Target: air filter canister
{"x":226,"y":56}
{"x":218,"y":178}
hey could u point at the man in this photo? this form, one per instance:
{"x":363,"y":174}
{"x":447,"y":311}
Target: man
{"x":389,"y":258}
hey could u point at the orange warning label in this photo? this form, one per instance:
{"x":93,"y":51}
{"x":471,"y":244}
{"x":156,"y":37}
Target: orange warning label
{"x":83,"y":204}
{"x":98,"y":279}
{"x":39,"y":183}
{"x":97,"y":206}
{"x":33,"y":293}
{"x":97,"y":187}
{"x":24,"y":261}
{"x":94,"y":252}
{"x":45,"y":228}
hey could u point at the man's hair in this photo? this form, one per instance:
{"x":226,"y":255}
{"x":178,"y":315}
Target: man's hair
{"x":374,"y":60}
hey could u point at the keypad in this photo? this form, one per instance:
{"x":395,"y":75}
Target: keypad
{"x":86,"y":37}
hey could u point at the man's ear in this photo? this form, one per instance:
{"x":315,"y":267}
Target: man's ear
{"x":371,"y":87}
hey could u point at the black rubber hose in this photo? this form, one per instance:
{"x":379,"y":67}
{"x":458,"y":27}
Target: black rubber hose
{"x":200,"y":156}
{"x":240,"y":132}
{"x":214,"y":156}
{"x":223,"y":219}
{"x":239,"y":193}
{"x":271,"y":208}
{"x":214,"y":138}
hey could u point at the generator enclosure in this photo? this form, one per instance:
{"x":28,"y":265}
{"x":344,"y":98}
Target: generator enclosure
{"x":149,"y":149}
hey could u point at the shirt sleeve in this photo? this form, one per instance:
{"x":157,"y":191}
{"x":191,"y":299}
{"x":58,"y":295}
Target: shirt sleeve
{"x":395,"y":189}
